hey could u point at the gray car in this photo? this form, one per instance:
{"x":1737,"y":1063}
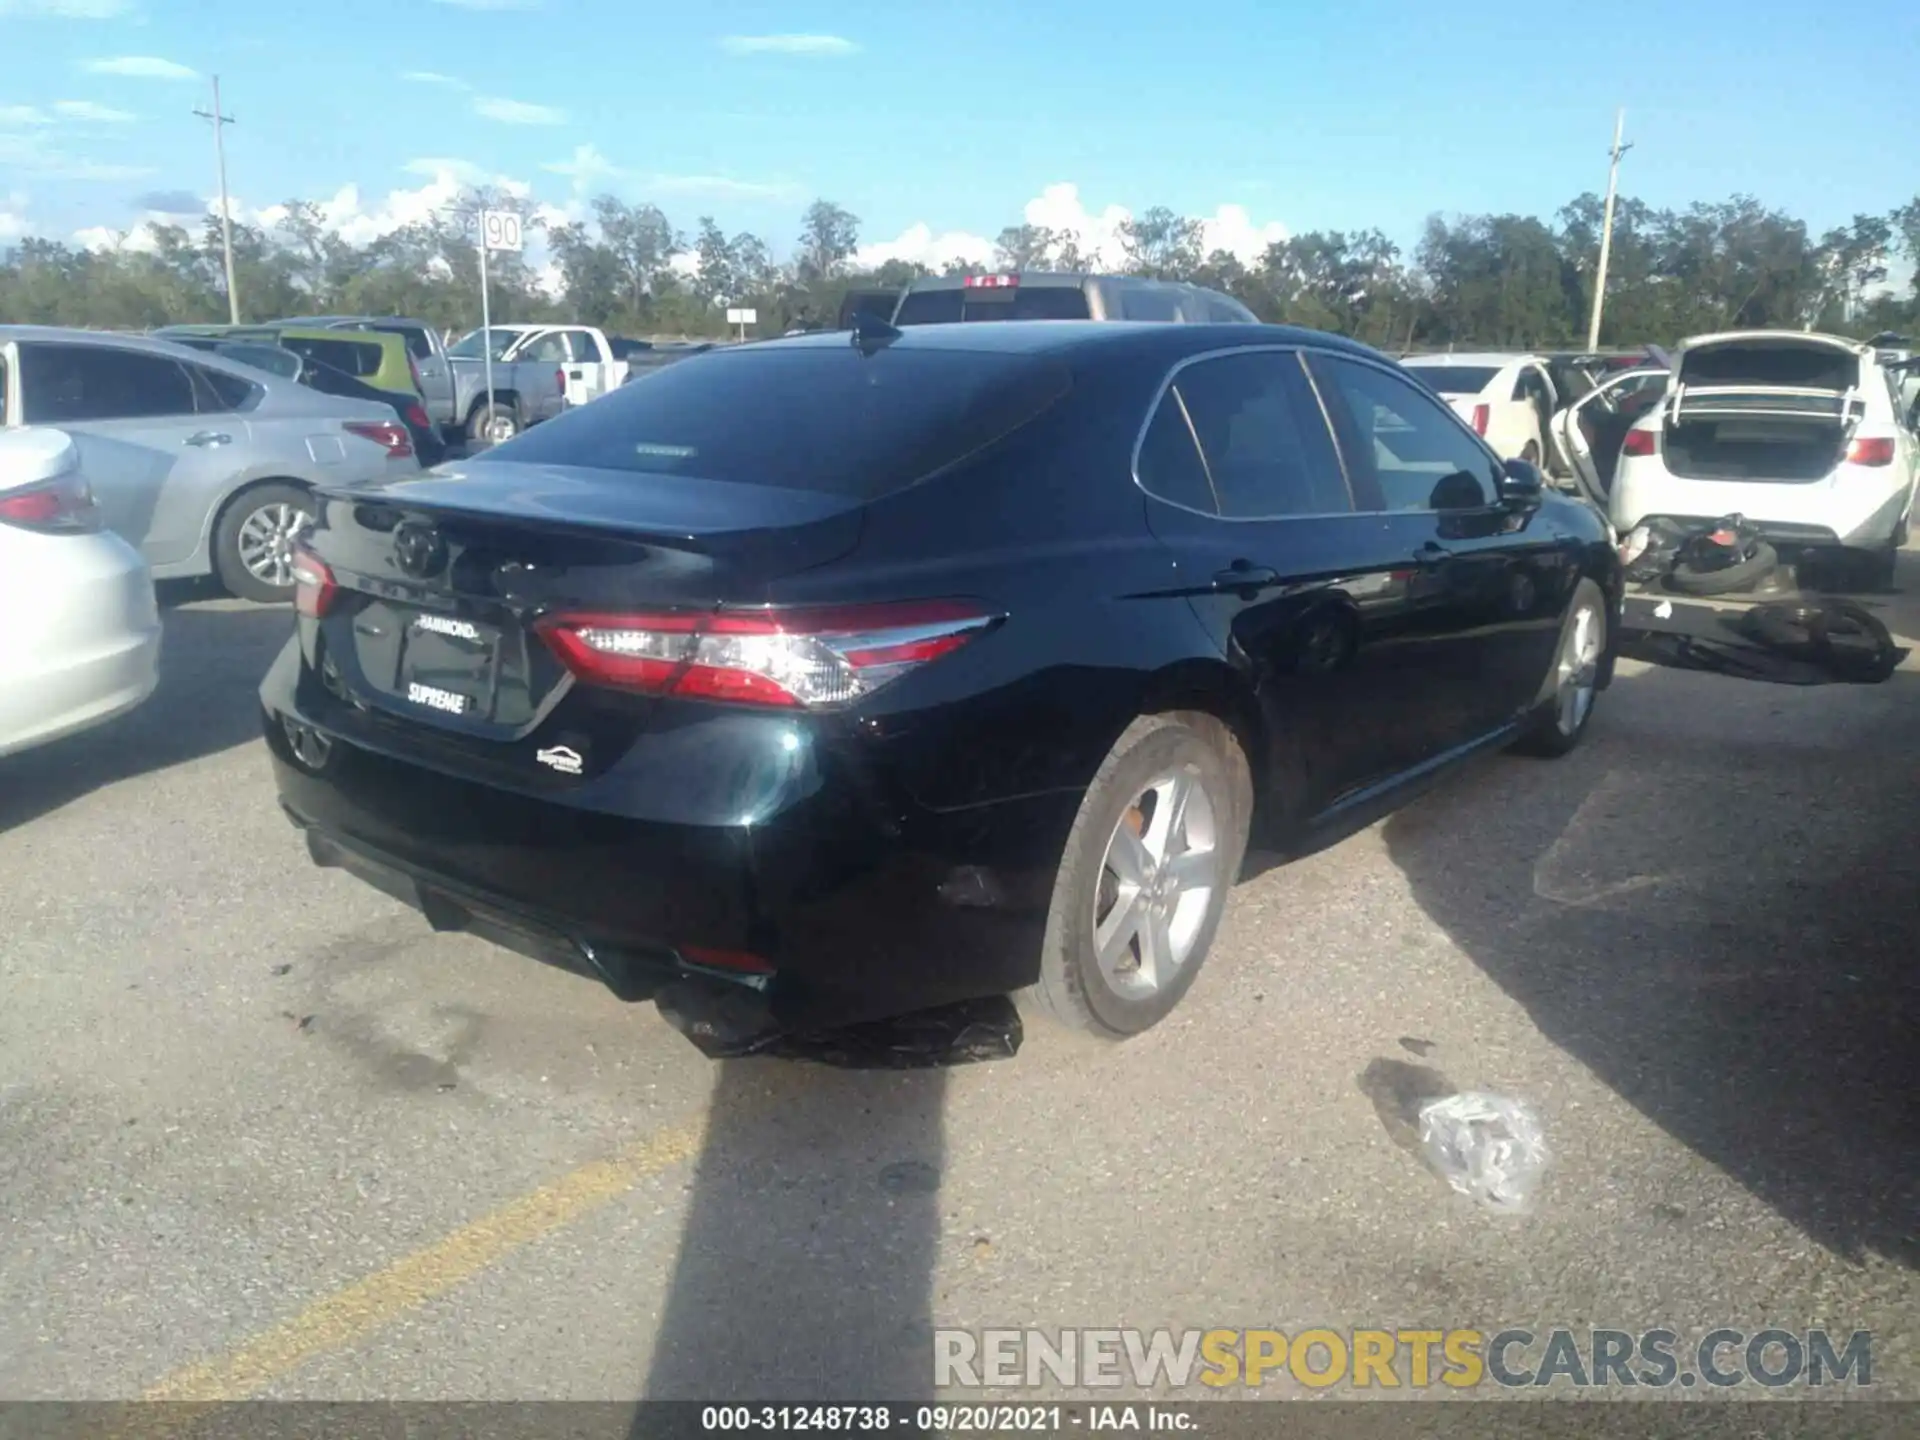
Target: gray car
{"x":204,"y":465}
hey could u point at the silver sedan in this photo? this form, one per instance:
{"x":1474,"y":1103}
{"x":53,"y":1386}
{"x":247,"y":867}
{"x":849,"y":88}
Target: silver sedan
{"x":205,"y":466}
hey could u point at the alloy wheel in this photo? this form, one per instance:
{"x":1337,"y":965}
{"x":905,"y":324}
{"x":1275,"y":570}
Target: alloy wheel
{"x":266,"y":542}
{"x":1578,"y":670}
{"x":1158,"y":880}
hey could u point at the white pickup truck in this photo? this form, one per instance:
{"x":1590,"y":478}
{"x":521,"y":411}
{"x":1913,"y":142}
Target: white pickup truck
{"x":538,"y":371}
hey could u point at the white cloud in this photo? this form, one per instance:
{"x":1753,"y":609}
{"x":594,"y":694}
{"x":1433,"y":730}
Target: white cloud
{"x":13,"y":216}
{"x":589,"y":169}
{"x":13,"y":116}
{"x":434,"y":77}
{"x":1059,"y":208}
{"x":88,"y":110}
{"x":920,"y":245}
{"x":1232,"y":229}
{"x":788,"y":45}
{"x":139,"y":67}
{"x":69,"y":9}
{"x":136,"y":239}
{"x":516,"y":112}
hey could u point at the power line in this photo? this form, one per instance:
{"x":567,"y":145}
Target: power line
{"x":220,"y":122}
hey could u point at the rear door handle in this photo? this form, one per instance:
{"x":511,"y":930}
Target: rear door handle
{"x":209,"y":437}
{"x":1247,"y":576}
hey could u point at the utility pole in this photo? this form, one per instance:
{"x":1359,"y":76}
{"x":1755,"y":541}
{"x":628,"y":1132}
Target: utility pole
{"x":220,"y":121}
{"x":1606,"y":229}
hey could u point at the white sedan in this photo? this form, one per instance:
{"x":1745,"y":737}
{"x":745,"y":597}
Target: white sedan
{"x":1510,"y":400}
{"x":80,"y":643}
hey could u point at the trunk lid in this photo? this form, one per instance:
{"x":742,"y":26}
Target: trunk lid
{"x":440,"y":579}
{"x":1769,"y":407}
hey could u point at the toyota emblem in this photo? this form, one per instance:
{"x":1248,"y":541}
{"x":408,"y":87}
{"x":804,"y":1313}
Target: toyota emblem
{"x":418,"y":550}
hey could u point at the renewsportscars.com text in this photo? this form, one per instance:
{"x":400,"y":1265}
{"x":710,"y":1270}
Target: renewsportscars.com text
{"x":1361,"y":1359}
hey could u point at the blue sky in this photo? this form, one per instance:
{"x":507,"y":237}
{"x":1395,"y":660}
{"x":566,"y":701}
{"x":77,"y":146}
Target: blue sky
{"x":1306,"y":114}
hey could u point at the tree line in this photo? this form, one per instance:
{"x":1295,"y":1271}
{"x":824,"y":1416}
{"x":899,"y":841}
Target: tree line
{"x":1502,"y":281}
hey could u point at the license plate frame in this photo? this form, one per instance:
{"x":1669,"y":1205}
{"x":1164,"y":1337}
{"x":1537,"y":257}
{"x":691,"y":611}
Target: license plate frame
{"x":452,"y":656}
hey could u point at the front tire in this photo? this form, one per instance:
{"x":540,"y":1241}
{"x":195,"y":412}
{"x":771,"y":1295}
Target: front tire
{"x":1572,"y":686}
{"x":253,"y":543}
{"x":1144,"y":879}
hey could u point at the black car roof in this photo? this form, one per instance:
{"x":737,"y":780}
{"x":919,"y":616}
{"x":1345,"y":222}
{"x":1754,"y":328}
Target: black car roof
{"x":1040,"y":337}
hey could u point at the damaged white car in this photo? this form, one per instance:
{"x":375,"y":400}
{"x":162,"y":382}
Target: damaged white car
{"x":1799,"y":433}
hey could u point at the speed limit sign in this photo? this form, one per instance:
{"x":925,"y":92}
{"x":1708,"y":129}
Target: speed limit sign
{"x":500,"y":230}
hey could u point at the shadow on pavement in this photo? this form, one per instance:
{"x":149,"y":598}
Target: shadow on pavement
{"x":211,"y":663}
{"x":1715,"y":907}
{"x":812,"y":1236}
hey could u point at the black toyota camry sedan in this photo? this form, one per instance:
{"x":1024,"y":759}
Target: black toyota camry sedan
{"x":857,"y":673}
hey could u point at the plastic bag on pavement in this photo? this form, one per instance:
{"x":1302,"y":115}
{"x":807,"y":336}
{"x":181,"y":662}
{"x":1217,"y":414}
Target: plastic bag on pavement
{"x":1488,"y":1147}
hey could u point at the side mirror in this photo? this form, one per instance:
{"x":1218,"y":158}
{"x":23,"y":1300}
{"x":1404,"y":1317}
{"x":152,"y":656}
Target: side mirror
{"x":1521,"y":482}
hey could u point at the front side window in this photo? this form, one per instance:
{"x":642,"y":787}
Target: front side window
{"x":1255,"y":429}
{"x":1403,"y":443}
{"x":67,"y":384}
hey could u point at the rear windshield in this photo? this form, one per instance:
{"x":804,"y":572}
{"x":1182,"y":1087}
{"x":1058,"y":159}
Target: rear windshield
{"x":1020,"y":302}
{"x":1454,"y":379}
{"x":823,"y":418}
{"x":1802,"y":366}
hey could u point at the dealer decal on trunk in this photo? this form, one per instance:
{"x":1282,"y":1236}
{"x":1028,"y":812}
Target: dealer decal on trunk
{"x":435,"y":698}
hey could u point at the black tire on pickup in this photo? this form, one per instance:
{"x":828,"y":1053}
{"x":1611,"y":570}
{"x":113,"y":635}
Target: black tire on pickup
{"x":493,"y":422}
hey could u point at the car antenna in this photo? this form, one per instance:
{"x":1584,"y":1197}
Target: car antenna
{"x":870,"y":332}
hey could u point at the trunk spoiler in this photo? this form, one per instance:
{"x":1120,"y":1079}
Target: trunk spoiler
{"x":1778,"y":402}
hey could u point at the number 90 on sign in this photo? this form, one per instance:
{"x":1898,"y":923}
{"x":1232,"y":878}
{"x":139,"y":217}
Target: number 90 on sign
{"x":500,"y":230}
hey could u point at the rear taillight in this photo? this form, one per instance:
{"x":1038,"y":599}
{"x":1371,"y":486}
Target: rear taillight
{"x":1482,"y":414}
{"x":313,"y":584}
{"x":560,"y":381}
{"x":1638,"y":442}
{"x":58,"y":507}
{"x":418,"y":418}
{"x":390,"y":433}
{"x":989,"y":282}
{"x":784,"y":658}
{"x":1871,"y":452}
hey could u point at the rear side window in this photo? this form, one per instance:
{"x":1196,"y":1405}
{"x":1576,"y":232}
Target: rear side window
{"x":64,"y":384}
{"x":1252,"y":425}
{"x":220,"y":393}
{"x":826,"y":419}
{"x":1018,"y":302}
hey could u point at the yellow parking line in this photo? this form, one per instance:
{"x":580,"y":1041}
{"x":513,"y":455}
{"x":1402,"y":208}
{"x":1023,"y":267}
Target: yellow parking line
{"x":355,"y":1312}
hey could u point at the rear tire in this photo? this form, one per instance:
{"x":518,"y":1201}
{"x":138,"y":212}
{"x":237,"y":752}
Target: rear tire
{"x":1145,"y":876}
{"x":252,"y":543}
{"x":1573,"y":685}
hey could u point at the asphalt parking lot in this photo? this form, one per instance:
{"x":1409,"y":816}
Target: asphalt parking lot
{"x":262,"y":1134}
